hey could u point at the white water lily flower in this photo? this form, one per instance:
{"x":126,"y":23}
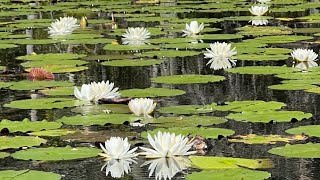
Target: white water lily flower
{"x":142,"y":106}
{"x":258,"y":10}
{"x":117,"y":168}
{"x":117,"y":148}
{"x":221,"y":56}
{"x":193,"y":29}
{"x":63,"y":26}
{"x":104,"y":90}
{"x":85,"y":94}
{"x":136,"y":35}
{"x":306,"y":58}
{"x":167,"y":145}
{"x":167,"y":168}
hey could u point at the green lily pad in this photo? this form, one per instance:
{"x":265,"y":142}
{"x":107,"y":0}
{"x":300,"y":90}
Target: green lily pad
{"x":28,"y":175}
{"x":187,"y":79}
{"x":267,"y":116}
{"x":265,"y":70}
{"x":7,"y":142}
{"x":300,"y":75}
{"x":102,"y":109}
{"x":86,"y":41}
{"x":119,"y":47}
{"x":221,"y":36}
{"x":185,"y":46}
{"x":310,"y":130}
{"x":62,"y":68}
{"x":291,"y":86}
{"x":209,"y":162}
{"x":239,"y":106}
{"x":52,"y":132}
{"x":306,"y":30}
{"x":185,"y":109}
{"x":263,"y":30}
{"x":7,"y":46}
{"x":58,"y":91}
{"x":154,"y":31}
{"x":205,"y":132}
{"x":265,"y":139}
{"x":313,"y":90}
{"x":151,"y":92}
{"x":229,"y":174}
{"x":109,"y":57}
{"x":168,"y":53}
{"x":56,"y":153}
{"x":53,"y":63}
{"x":51,"y":56}
{"x":170,"y":40}
{"x":186,"y":121}
{"x":4,"y":155}
{"x":308,"y":150}
{"x":44,"y":103}
{"x":99,"y":119}
{"x":282,"y":39}
{"x":132,"y":62}
{"x":35,"y":85}
{"x":26,"y":125}
{"x":262,"y":57}
{"x":87,"y":36}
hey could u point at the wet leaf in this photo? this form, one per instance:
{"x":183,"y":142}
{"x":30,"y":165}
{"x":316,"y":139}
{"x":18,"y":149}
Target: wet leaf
{"x":151,"y":92}
{"x":187,"y":79}
{"x":26,"y":125}
{"x":56,"y":153}
{"x":7,"y":142}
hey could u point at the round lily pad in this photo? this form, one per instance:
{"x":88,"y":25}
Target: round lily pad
{"x":132,"y":62}
{"x":44,"y":103}
{"x":52,"y":132}
{"x":99,"y":119}
{"x":7,"y":142}
{"x":185,"y":109}
{"x":51,"y":56}
{"x":267,"y":139}
{"x":262,"y":57}
{"x":308,"y":150}
{"x":205,"y":132}
{"x":229,"y":174}
{"x":34,"y":85}
{"x":263,"y":30}
{"x":221,"y":36}
{"x":168,"y":53}
{"x":187,"y":79}
{"x":7,"y":46}
{"x":62,"y":68}
{"x":210,"y":162}
{"x":28,"y":175}
{"x":300,"y":75}
{"x":56,"y":153}
{"x":26,"y":125}
{"x":291,"y":86}
{"x":239,"y":106}
{"x":186,"y":121}
{"x":119,"y":47}
{"x":151,"y":92}
{"x":282,"y":39}
{"x":102,"y":109}
{"x":263,"y":70}
{"x":3,"y":155}
{"x":310,"y":130}
{"x":267,"y":116}
{"x":58,"y":91}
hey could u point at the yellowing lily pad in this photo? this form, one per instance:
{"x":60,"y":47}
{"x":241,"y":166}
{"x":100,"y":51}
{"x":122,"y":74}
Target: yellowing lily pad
{"x":99,"y":119}
{"x":186,"y":121}
{"x":7,"y":142}
{"x":56,"y":153}
{"x":28,"y":175}
{"x":209,"y":163}
{"x":309,"y":150}
{"x":26,"y":125}
{"x":185,"y":109}
{"x":52,"y":132}
{"x":267,"y":139}
{"x":267,"y":116}
{"x":310,"y":130}
{"x":205,"y":132}
{"x":151,"y":92}
{"x":44,"y":103}
{"x":132,"y":62}
{"x":229,"y":174}
{"x":187,"y":79}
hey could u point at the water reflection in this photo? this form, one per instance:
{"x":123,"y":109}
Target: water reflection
{"x":166,"y":168}
{"x":118,"y":168}
{"x":259,"y":22}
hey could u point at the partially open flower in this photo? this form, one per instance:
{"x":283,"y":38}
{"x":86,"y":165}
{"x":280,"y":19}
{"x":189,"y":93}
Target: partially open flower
{"x":63,"y":26}
{"x":117,"y":148}
{"x":258,"y":10}
{"x":305,"y":58}
{"x":193,"y":29}
{"x":104,"y":90}
{"x":40,"y":74}
{"x":85,"y":94}
{"x":142,"y":107}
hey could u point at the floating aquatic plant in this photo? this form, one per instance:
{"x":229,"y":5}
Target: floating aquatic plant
{"x":135,"y":36}
{"x":220,"y":56}
{"x":63,"y":26}
{"x":142,"y":106}
{"x":258,"y":10}
{"x":193,"y":29}
{"x":117,"y":148}
{"x":305,"y":58}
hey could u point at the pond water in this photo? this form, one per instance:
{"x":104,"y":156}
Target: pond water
{"x":291,"y":24}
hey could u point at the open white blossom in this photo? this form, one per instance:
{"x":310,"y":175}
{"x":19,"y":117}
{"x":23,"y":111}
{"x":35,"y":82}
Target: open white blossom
{"x":118,"y":168}
{"x":167,"y":168}
{"x":85,"y":94}
{"x":104,"y":90}
{"x":258,"y":10}
{"x":117,"y":148}
{"x":305,"y":58}
{"x":167,"y":145}
{"x":193,"y":29}
{"x":220,"y":56}
{"x":63,"y":26}
{"x":142,"y":106}
{"x":136,"y":35}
